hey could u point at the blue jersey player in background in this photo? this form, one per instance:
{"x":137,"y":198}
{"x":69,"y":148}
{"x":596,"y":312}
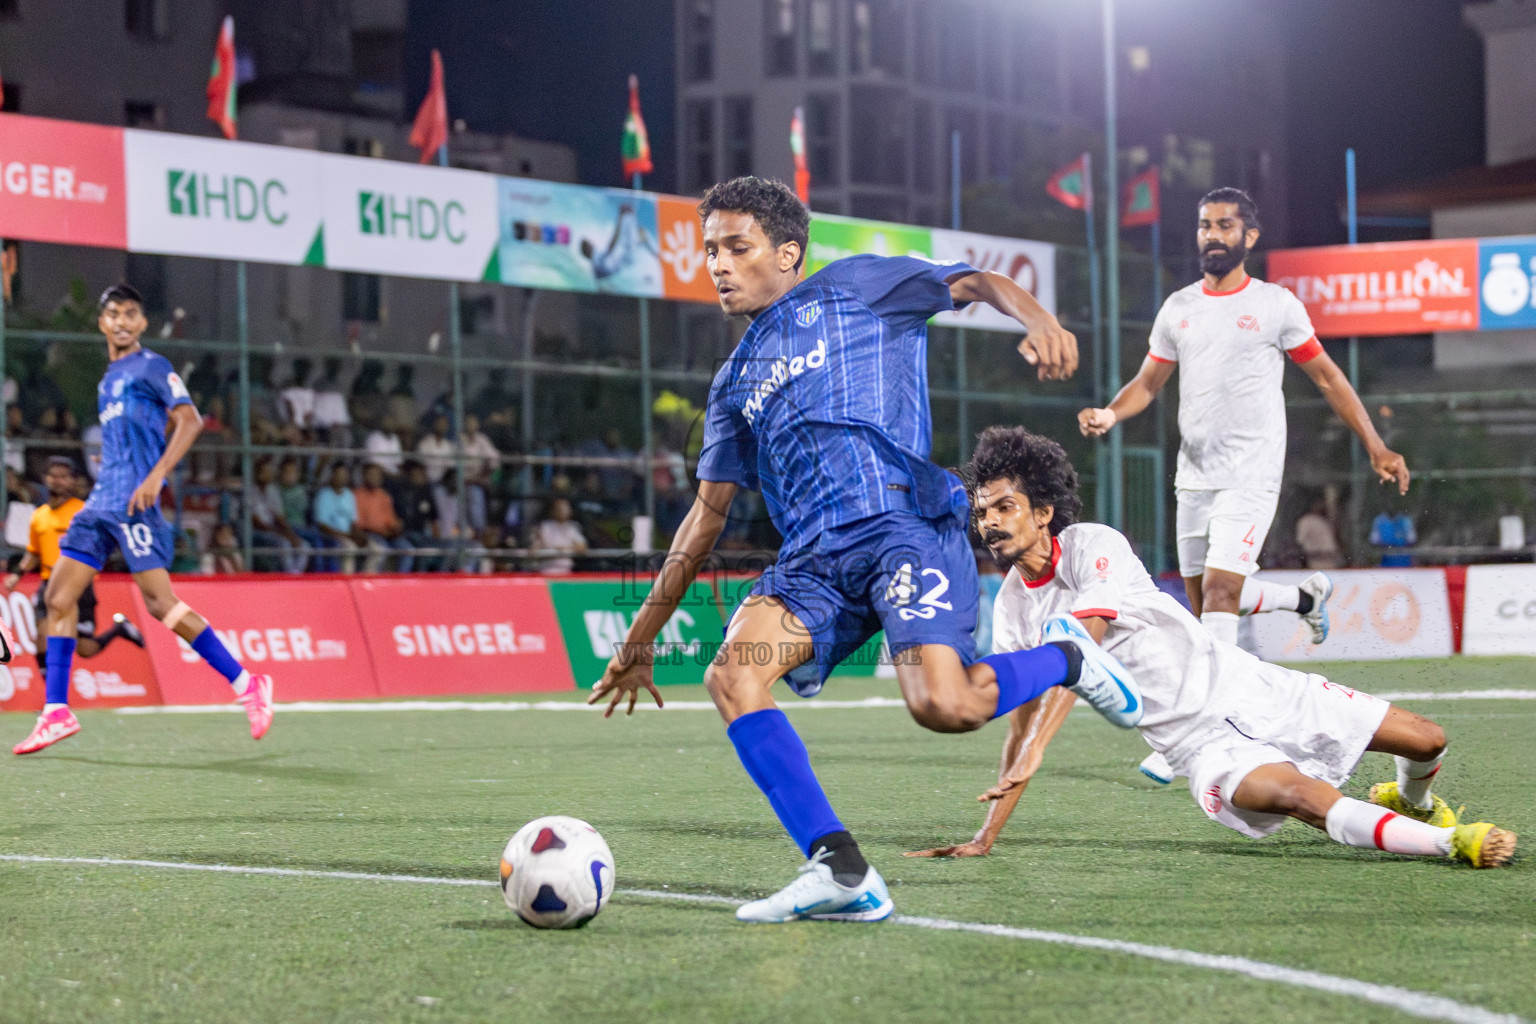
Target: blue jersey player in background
{"x":138,"y":399}
{"x":823,"y":406}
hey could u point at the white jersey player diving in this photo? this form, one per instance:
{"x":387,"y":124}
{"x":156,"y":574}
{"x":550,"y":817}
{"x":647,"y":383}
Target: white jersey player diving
{"x":1228,"y":335}
{"x":1259,"y":742}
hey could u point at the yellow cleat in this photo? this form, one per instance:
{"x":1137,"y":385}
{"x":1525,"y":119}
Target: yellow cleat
{"x":1482,"y":845}
{"x":1440,"y":815}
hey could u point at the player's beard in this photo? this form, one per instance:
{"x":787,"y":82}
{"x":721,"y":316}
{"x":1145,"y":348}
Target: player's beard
{"x":999,"y":554}
{"x":1224,"y":261}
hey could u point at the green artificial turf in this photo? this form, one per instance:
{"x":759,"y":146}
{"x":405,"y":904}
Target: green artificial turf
{"x":1094,"y":850}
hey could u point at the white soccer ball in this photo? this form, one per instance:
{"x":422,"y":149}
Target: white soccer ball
{"x":557,"y":872}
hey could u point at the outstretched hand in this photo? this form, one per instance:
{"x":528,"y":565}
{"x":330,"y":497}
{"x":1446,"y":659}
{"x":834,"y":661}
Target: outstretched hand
{"x":1095,"y":422}
{"x":1051,"y":349}
{"x":1391,"y":467}
{"x":628,"y":671}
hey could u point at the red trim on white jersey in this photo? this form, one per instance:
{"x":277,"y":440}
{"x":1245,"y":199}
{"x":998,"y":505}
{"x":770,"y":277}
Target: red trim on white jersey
{"x":1306,"y":351}
{"x":1160,"y":359}
{"x":1103,"y":613}
{"x":1207,"y":288}
{"x":1050,"y":572}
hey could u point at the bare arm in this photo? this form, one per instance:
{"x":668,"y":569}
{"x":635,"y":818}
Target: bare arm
{"x":1137,"y":394}
{"x":630,"y":667}
{"x":1330,"y":380}
{"x":1049,"y":347}
{"x":29,"y":563}
{"x":186,"y":424}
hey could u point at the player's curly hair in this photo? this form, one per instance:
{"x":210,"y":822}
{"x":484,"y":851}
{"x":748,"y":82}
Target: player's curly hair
{"x":1247,"y":209}
{"x":773,"y":204}
{"x":1034,"y":464}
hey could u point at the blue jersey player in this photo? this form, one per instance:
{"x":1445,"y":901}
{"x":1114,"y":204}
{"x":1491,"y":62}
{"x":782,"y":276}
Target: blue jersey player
{"x":138,"y":400}
{"x":823,"y":406}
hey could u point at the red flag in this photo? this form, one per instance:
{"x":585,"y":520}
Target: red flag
{"x":221,"y":81}
{"x":636,"y":146}
{"x":1142,"y":201}
{"x":797,"y":147}
{"x":1072,"y":186}
{"x":430,"y":131}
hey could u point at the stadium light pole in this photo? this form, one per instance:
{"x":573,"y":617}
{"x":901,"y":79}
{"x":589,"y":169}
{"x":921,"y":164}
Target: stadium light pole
{"x":456,"y":355}
{"x":1112,"y":268}
{"x":243,"y":339}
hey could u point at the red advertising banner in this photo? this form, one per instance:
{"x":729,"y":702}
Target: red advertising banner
{"x":304,"y":633}
{"x":120,"y":675}
{"x":449,"y":636}
{"x":61,"y":181}
{"x":1383,"y":288}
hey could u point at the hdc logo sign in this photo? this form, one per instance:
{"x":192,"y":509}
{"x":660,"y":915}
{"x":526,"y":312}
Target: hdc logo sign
{"x":379,"y":213}
{"x":191,"y":194}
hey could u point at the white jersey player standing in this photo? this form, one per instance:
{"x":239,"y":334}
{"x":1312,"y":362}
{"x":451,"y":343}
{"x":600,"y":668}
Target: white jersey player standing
{"x":1259,"y":743}
{"x":1227,"y":334}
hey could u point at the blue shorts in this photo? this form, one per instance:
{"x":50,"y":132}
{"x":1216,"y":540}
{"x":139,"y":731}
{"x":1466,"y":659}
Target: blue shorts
{"x":913,"y":577}
{"x":147,"y":540}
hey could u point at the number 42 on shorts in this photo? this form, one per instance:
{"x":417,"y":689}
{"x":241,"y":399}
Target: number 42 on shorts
{"x":902,"y":588}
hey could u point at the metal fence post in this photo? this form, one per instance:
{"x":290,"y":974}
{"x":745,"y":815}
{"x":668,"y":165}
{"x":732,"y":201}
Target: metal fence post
{"x":243,"y":336}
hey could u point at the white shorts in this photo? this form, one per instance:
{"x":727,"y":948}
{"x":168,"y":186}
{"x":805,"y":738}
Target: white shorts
{"x":1291,"y":717}
{"x":1223,"y":529}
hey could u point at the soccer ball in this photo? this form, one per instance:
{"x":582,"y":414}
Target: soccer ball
{"x":557,"y":872}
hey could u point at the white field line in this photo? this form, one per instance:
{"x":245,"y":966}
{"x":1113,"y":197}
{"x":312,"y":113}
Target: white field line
{"x":1417,"y":1004}
{"x":324,"y":707}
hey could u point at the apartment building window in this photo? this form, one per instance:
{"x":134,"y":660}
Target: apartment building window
{"x":143,"y":114}
{"x":779,"y":37}
{"x":877,"y":44}
{"x":12,"y":101}
{"x":927,"y":23}
{"x":376,"y":59}
{"x":699,"y":163}
{"x":821,"y":39}
{"x":736,"y":115}
{"x":959,"y":42}
{"x":354,"y":145}
{"x":821,"y":139}
{"x":10,"y":8}
{"x":923,"y":149}
{"x":877,"y":135}
{"x":360,"y":298}
{"x":147,"y":19}
{"x":699,"y":36}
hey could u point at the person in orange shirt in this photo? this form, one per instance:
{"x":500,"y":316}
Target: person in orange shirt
{"x":377,"y":523}
{"x":49,"y":524}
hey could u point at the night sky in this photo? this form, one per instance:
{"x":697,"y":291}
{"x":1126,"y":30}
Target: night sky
{"x":1401,"y":82}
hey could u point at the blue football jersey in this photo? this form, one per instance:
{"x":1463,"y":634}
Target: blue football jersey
{"x":132,"y":401}
{"x":823,"y":406}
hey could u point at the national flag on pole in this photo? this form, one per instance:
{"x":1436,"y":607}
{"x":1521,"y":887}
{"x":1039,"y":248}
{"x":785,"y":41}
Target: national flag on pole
{"x":797,"y":147}
{"x":429,"y":133}
{"x":1142,"y":201}
{"x":1071,"y":186}
{"x":221,"y":80}
{"x":636,"y":147}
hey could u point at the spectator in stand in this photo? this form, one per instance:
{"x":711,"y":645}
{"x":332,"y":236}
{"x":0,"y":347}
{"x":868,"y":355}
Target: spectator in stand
{"x":378,"y":522}
{"x":401,"y":406}
{"x":225,"y":552}
{"x":416,"y":509}
{"x":298,"y":398}
{"x":336,"y":517}
{"x":205,"y":383}
{"x":296,"y":502}
{"x":1318,"y":540}
{"x":560,"y":534}
{"x":436,"y":450}
{"x":271,"y":528}
{"x":619,"y":478}
{"x":481,"y":462}
{"x":1396,"y":536}
{"x":331,"y":419}
{"x":368,"y":401}
{"x":384,"y":447}
{"x":446,"y":494}
{"x":15,"y":430}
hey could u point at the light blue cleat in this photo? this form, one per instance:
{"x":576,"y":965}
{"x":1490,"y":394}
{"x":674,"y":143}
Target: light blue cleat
{"x":1103,"y":682}
{"x":1320,"y":586}
{"x":1156,"y":767}
{"x":814,"y":895}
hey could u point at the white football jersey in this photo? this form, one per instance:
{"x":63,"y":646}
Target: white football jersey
{"x":1231,"y":411}
{"x":1189,"y":682}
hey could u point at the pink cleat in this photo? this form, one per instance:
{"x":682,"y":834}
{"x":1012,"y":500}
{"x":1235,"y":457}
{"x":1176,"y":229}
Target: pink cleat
{"x":257,"y":699}
{"x":52,"y":726}
{"x":7,"y":643}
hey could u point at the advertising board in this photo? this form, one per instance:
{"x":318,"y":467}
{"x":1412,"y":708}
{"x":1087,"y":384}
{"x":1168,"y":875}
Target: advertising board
{"x":120,"y":675}
{"x":1032,"y":266}
{"x":1377,"y":614}
{"x":595,"y":618}
{"x":1384,"y":288}
{"x":61,"y":181}
{"x":1500,"y":615}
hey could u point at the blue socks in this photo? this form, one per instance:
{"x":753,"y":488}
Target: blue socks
{"x":773,"y":755}
{"x":61,"y":657}
{"x":1024,"y":675}
{"x":213,"y":651}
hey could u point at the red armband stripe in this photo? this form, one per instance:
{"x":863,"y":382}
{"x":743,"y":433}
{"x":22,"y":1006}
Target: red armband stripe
{"x":1160,"y":359}
{"x":1103,"y":613}
{"x":1306,"y":351}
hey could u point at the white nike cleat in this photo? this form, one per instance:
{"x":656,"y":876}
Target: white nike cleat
{"x":1156,"y":767}
{"x":1102,"y":681}
{"x":1320,"y":586}
{"x":814,"y":895}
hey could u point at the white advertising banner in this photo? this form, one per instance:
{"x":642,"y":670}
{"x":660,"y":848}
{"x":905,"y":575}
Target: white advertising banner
{"x":1501,"y":610}
{"x":191,"y":196}
{"x":1376,"y":614}
{"x":387,"y":217}
{"x":1031,"y":264}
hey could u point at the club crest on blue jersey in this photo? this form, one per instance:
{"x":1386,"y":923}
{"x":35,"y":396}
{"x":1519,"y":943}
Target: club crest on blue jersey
{"x":808,"y":314}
